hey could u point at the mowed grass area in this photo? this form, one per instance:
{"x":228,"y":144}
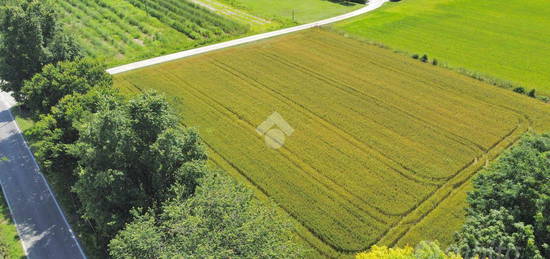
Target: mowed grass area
{"x":381,"y":141}
{"x":10,"y":246}
{"x":304,"y":10}
{"x":122,"y":31}
{"x":507,"y":40}
{"x":22,"y":118}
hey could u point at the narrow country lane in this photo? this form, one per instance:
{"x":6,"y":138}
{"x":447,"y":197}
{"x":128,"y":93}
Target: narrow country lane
{"x":41,"y":225}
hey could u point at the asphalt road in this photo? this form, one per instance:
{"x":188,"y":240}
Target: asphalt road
{"x":373,"y":5}
{"x":40,"y":222}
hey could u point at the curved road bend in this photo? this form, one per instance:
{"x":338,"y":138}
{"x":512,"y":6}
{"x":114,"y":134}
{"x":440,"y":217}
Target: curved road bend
{"x":373,"y":5}
{"x":39,"y":220}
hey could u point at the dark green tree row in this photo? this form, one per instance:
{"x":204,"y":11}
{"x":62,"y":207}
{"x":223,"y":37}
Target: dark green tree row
{"x":509,"y":212}
{"x":134,"y":175}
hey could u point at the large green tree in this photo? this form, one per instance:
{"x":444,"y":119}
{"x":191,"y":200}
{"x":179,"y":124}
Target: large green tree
{"x":53,"y":135}
{"x":496,"y":235}
{"x":510,"y":204}
{"x":30,"y":37}
{"x":130,"y":156}
{"x":55,"y":81}
{"x":220,"y":220}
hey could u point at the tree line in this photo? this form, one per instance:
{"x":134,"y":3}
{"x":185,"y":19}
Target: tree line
{"x":135,"y":176}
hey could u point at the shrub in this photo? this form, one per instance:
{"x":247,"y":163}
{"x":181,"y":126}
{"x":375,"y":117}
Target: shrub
{"x":519,"y":90}
{"x":424,"y":58}
{"x":532,"y":93}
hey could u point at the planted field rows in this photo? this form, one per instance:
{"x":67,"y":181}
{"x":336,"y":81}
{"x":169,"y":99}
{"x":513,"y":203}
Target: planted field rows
{"x":129,"y":30}
{"x":380,"y":140}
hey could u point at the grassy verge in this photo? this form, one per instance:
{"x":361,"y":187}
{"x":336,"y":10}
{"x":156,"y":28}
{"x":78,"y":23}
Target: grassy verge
{"x":10,"y":245}
{"x":22,"y":118}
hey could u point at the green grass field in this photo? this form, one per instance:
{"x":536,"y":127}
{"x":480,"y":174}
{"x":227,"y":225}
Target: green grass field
{"x":304,"y":10}
{"x":507,"y":40}
{"x":10,"y":246}
{"x":382,"y":142}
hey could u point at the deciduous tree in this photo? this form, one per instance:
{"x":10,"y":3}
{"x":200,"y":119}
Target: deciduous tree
{"x":56,"y":81}
{"x":130,"y":156}
{"x":220,"y":220}
{"x":31,"y":37}
{"x":510,"y":203}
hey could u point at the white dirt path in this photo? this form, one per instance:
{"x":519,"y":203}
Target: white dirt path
{"x":373,"y":5}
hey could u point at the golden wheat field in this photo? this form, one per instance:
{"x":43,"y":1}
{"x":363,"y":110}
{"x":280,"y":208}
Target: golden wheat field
{"x":381,"y":142}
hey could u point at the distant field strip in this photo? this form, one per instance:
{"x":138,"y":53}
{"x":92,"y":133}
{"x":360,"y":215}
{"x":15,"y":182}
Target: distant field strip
{"x":129,"y":30}
{"x":507,"y":40}
{"x":231,"y":12}
{"x":380,"y":140}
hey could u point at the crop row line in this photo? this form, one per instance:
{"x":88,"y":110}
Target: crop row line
{"x":247,"y":126}
{"x":364,"y":147}
{"x":407,"y":74}
{"x":282,"y":206}
{"x":326,"y":125}
{"x":458,"y":185}
{"x":453,"y":186}
{"x":301,"y":165}
{"x":355,"y":91}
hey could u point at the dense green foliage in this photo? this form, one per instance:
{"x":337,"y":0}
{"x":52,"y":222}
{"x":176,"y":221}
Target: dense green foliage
{"x":56,"y":81}
{"x":221,"y":220}
{"x":424,"y":250}
{"x":30,"y":37}
{"x":130,"y":154}
{"x":109,"y":156}
{"x":54,"y":133}
{"x":507,"y":40}
{"x":509,"y":209}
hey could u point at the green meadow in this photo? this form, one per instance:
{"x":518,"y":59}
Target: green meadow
{"x":302,"y":11}
{"x":507,"y":40}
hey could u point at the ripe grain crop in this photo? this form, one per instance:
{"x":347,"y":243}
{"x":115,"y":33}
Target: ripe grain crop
{"x":380,"y":141}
